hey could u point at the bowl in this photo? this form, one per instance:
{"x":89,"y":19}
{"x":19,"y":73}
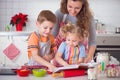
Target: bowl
{"x":23,"y":72}
{"x":39,"y":72}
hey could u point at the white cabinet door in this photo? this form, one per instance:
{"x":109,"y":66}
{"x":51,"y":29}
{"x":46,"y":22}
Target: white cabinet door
{"x":21,"y":43}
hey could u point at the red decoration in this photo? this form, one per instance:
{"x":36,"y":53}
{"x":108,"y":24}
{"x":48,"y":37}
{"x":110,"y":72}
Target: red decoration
{"x":19,"y":27}
{"x":19,"y":20}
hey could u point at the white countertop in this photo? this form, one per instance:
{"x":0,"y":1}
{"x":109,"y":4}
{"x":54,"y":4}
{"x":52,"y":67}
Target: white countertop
{"x":15,"y":33}
{"x":107,"y":34}
{"x":26,"y":33}
{"x":49,"y":77}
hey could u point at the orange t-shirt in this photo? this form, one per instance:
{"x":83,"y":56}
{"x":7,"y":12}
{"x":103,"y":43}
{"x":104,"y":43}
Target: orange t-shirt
{"x":33,"y":42}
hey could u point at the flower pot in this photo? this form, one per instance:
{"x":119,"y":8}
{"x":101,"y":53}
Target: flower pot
{"x":19,"y":27}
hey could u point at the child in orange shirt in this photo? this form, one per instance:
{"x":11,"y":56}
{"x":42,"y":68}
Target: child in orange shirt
{"x":41,"y":44}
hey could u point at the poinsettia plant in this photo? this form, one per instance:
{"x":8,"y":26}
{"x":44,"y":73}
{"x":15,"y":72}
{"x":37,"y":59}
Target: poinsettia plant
{"x":19,"y":19}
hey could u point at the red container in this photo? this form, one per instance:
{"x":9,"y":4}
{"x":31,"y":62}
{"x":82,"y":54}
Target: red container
{"x":23,"y":72}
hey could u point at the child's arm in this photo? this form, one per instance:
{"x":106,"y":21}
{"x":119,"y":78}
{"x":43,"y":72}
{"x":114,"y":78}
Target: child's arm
{"x":60,"y":60}
{"x":49,"y":57}
{"x":42,"y":61}
{"x":81,"y":60}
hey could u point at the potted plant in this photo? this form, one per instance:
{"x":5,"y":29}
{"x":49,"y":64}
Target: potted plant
{"x":19,"y":20}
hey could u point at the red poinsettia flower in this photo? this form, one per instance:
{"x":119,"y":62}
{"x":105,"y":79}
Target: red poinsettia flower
{"x":19,"y":19}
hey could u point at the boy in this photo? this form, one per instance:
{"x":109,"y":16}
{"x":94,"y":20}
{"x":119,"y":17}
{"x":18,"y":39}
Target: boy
{"x":41,"y":44}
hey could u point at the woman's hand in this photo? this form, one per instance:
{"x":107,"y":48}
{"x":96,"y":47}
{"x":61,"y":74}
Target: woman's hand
{"x":88,"y":59}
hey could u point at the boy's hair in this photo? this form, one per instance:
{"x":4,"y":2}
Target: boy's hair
{"x":46,"y":15}
{"x":71,"y":29}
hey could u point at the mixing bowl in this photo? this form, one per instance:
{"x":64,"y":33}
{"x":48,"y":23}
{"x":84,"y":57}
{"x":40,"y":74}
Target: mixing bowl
{"x":39,"y":72}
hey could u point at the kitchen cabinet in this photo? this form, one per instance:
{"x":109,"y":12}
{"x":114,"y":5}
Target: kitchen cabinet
{"x":19,"y":39}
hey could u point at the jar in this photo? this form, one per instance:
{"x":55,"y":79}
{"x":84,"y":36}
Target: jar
{"x":113,"y":71}
{"x":92,"y":73}
{"x":103,"y":59}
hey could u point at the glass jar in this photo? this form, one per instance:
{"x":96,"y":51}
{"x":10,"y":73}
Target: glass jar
{"x":113,"y":71}
{"x":103,"y":59}
{"x":92,"y":73}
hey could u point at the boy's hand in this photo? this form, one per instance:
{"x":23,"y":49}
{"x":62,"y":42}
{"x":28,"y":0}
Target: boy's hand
{"x":49,"y":57}
{"x":51,"y":67}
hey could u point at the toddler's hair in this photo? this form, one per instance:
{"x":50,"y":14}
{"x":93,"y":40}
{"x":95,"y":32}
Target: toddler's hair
{"x":46,"y":15}
{"x":71,"y":28}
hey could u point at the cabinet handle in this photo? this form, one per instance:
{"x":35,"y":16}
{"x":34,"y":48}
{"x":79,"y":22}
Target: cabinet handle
{"x":104,"y":41}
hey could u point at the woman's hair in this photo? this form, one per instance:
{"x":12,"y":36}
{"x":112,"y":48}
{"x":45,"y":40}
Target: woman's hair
{"x":83,"y":17}
{"x":46,"y":15}
{"x":72,"y":29}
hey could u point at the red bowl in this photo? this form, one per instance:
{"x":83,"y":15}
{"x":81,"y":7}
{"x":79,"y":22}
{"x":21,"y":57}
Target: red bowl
{"x":23,"y":72}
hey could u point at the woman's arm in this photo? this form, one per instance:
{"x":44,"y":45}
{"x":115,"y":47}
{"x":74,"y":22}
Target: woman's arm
{"x":91,"y":41}
{"x":90,"y":54}
{"x":56,"y":28}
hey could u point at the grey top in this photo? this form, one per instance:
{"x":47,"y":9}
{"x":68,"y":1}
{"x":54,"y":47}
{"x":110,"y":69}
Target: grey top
{"x":92,"y":32}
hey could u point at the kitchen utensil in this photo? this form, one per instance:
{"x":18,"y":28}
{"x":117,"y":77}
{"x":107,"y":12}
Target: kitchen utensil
{"x":39,"y":72}
{"x":11,"y":51}
{"x":23,"y":72}
{"x":70,"y":73}
{"x":117,"y":29}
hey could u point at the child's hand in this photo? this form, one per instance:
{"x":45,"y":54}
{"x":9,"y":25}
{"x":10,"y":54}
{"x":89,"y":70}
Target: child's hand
{"x":76,"y":62}
{"x":79,"y":61}
{"x":51,"y":67}
{"x":49,"y":57}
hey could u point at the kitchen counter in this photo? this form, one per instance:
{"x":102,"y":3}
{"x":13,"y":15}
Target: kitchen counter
{"x":48,"y":77}
{"x":112,"y":34}
{"x":26,"y":33}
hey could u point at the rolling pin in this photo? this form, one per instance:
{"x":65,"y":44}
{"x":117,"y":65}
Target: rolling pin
{"x":70,"y":73}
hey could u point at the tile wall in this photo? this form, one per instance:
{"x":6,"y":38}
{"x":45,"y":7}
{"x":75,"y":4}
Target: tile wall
{"x":106,"y":11}
{"x":9,"y":8}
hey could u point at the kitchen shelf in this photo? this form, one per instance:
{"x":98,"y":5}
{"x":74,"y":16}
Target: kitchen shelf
{"x":14,"y":33}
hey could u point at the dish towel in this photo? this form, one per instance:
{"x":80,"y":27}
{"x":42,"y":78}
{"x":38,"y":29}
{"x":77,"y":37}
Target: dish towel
{"x":11,"y":51}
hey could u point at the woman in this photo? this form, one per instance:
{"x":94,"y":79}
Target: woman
{"x":77,"y":12}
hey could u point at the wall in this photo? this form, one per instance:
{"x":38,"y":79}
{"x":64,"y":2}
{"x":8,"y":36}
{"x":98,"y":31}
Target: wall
{"x":106,"y":11}
{"x":9,"y":8}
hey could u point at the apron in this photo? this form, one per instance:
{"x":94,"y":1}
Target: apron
{"x":44,"y":48}
{"x":73,"y":54}
{"x":59,"y":38}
